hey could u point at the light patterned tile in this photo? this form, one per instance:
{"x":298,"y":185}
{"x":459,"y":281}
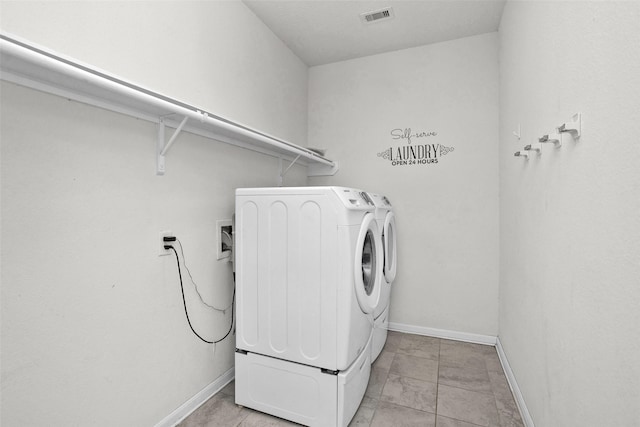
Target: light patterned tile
{"x":505,"y":401}
{"x":369,"y":402}
{"x":493,"y":362}
{"x":229,"y":389}
{"x":508,"y":412}
{"x":393,"y":341}
{"x":415,"y":367}
{"x":388,"y":414}
{"x":469,"y":406}
{"x":500,"y":386}
{"x":460,"y":354}
{"x":376,"y":382}
{"x":364,"y":415}
{"x":450,"y":422}
{"x":482,"y":349}
{"x":471,"y":378}
{"x":410,"y":392}
{"x":384,"y":360}
{"x":219,"y":411}
{"x":420,"y":346}
{"x":259,"y":419}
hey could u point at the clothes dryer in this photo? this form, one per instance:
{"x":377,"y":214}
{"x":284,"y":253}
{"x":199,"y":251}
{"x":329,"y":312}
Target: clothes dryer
{"x":308,"y":280}
{"x":387,"y":227}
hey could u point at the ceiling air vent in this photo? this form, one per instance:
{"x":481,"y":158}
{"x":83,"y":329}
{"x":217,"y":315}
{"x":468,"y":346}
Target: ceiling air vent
{"x":377,"y":15}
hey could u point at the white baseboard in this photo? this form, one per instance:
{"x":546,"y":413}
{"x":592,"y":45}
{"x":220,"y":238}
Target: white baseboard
{"x":194,"y":403}
{"x":442,"y":333}
{"x":511,"y":379}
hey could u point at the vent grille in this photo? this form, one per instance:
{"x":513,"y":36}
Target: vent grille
{"x":377,"y":15}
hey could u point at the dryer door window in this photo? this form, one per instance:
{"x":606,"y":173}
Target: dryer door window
{"x":389,"y":241}
{"x":368,"y":265}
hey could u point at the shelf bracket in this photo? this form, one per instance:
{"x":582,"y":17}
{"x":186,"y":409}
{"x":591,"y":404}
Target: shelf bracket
{"x":163,"y":148}
{"x":40,"y":68}
{"x":284,"y":172}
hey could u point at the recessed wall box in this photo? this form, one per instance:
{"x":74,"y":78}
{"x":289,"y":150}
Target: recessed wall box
{"x":224,"y":233}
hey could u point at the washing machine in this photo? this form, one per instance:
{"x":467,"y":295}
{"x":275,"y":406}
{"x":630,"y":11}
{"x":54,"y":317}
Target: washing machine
{"x":387,"y":228}
{"x":308,"y":280}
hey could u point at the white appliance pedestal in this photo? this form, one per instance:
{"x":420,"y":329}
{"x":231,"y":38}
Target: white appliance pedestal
{"x":301,"y":393}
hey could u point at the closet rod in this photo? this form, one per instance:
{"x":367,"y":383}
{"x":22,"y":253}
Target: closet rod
{"x":42,"y":63}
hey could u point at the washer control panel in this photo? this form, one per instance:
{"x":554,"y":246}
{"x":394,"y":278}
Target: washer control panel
{"x":354,"y":198}
{"x":379,"y":200}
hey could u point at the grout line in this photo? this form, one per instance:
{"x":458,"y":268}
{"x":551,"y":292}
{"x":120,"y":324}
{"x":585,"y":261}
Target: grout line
{"x":243,"y":418}
{"x":375,"y":409}
{"x":462,"y":421}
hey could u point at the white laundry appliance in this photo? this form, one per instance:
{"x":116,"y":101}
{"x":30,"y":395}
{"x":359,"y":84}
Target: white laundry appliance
{"x":308,"y":279}
{"x":387,"y":228}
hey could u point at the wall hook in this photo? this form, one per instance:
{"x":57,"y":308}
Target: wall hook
{"x":522,"y":154}
{"x":573,"y":126}
{"x":534,"y":147}
{"x":546,"y":139}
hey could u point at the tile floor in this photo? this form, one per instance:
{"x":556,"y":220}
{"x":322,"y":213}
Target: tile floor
{"x":416,"y":381}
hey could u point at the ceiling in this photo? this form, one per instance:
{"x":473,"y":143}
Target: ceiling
{"x":324,"y":31}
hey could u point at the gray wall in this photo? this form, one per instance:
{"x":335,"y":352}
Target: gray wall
{"x":570,"y":219}
{"x":447,"y":212}
{"x":93,"y":328}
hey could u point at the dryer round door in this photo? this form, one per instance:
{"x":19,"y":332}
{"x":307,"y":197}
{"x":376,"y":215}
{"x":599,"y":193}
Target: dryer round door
{"x":368,"y":264}
{"x":389,"y":242}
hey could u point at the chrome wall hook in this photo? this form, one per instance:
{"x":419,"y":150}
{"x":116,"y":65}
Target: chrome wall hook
{"x":522,"y":154}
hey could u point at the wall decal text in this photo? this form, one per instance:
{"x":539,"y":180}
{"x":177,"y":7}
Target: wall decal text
{"x":414,"y":154}
{"x":406,"y":134}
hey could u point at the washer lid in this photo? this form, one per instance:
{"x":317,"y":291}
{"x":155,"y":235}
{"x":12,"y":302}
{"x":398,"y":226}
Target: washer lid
{"x":367,"y":265}
{"x":389,"y":242}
